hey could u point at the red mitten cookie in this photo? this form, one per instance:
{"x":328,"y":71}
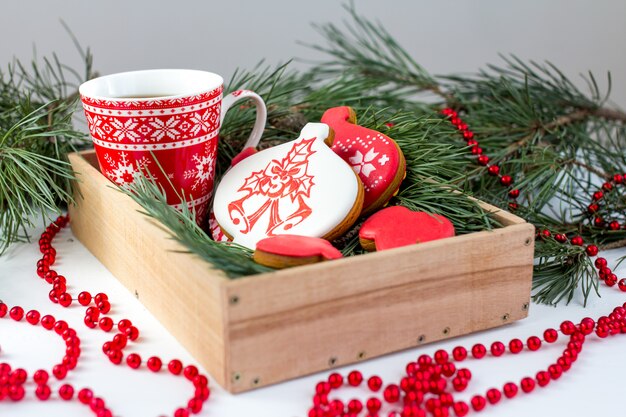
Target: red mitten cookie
{"x":375,"y":157}
{"x":397,"y":226}
{"x":290,"y":250}
{"x":300,"y":187}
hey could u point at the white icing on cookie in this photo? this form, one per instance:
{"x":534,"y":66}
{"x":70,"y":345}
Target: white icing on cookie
{"x":300,"y":187}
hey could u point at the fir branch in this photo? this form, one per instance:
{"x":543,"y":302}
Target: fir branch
{"x":369,"y":51}
{"x":610,"y":114}
{"x":36,"y":134}
{"x":614,"y":245}
{"x":590,"y":168}
{"x":555,"y":140}
{"x":234,"y":260}
{"x":560,"y":271}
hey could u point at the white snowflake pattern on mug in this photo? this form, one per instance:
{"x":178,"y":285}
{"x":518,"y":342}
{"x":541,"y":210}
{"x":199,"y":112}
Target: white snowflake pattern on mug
{"x":202,"y":172}
{"x":123,"y":171}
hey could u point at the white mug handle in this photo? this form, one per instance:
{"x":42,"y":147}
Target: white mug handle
{"x":261,"y":113}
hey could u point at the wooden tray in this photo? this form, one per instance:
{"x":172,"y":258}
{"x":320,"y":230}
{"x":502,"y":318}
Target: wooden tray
{"x":259,"y":330}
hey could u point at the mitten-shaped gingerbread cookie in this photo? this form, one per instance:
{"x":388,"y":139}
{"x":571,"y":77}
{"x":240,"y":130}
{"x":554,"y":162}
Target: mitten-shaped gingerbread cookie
{"x":300,"y":187}
{"x":375,"y":157}
{"x":397,"y":226}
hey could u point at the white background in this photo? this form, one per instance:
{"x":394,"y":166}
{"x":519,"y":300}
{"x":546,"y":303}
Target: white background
{"x":445,"y":37}
{"x":219,"y":36}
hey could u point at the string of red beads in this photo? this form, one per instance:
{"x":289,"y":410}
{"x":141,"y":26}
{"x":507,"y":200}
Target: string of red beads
{"x":12,"y":381}
{"x":593,"y":209}
{"x":595,"y":206}
{"x":481,"y":158}
{"x":428,"y":388}
{"x":429,"y":382}
{"x":604,"y":273}
{"x":97,"y":308}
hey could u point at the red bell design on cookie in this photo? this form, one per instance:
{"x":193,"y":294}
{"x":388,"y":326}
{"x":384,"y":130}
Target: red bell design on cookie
{"x":300,"y":187}
{"x":398,"y":226}
{"x":375,"y":157}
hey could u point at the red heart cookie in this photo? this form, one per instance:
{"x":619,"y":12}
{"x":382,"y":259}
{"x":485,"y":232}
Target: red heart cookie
{"x":283,"y":251}
{"x":398,"y":226}
{"x":375,"y":157}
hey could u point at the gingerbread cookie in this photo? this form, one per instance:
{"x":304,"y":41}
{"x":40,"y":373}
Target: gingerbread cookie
{"x":284,"y":251}
{"x":300,"y":187}
{"x":397,"y":226}
{"x":375,"y":157}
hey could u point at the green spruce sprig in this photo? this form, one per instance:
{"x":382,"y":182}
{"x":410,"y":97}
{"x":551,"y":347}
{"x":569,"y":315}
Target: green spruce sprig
{"x":35,"y":177}
{"x":234,"y":260}
{"x":36,"y":134}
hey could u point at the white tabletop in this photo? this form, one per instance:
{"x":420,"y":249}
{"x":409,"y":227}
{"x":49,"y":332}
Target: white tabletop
{"x":595,"y":384}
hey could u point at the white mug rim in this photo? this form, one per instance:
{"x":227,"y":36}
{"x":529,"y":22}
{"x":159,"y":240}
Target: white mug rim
{"x":90,"y":88}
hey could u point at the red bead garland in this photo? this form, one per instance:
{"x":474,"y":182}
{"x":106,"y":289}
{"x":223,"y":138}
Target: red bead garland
{"x":12,"y":382}
{"x":95,"y":316}
{"x":594,"y":209}
{"x":423,"y":389}
{"x":482,"y":159}
{"x":605,"y":273}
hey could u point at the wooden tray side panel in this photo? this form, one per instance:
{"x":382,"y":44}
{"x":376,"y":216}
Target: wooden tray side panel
{"x":505,"y":218}
{"x":321,"y":317}
{"x":290,"y":289}
{"x":178,"y":288}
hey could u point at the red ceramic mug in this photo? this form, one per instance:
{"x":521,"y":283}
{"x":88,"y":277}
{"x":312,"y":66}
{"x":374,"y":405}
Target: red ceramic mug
{"x":168,"y":118}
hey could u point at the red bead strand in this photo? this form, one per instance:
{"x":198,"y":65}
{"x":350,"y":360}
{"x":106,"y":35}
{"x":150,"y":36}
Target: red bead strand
{"x":423,"y":391}
{"x":96,"y":310}
{"x":482,"y":159}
